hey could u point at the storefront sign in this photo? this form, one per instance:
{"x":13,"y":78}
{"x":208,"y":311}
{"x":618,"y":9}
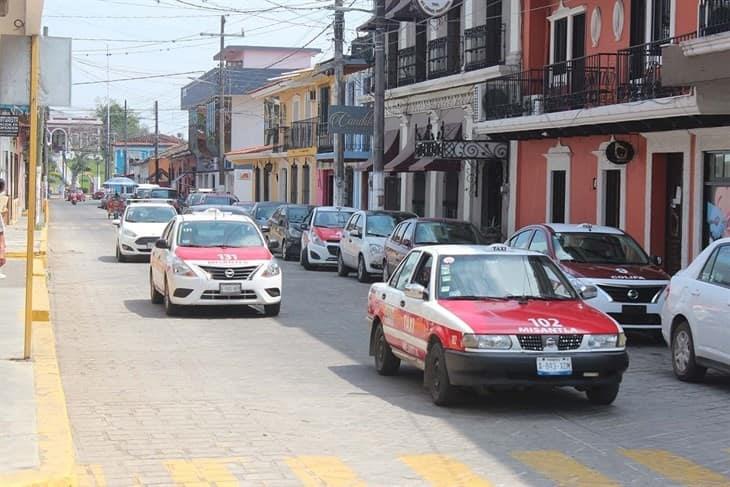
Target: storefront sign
{"x":351,"y":120}
{"x":620,"y":152}
{"x":435,"y":8}
{"x":462,"y":149}
{"x":9,"y":125}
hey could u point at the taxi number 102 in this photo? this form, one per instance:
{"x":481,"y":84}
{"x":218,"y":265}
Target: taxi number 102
{"x":545,"y":322}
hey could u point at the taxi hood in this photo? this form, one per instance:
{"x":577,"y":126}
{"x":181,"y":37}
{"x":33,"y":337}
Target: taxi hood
{"x":534,"y":318}
{"x":226,"y":254}
{"x":609,"y":271}
{"x":326,"y":233}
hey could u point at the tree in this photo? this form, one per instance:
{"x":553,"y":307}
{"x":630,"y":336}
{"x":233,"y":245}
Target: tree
{"x":78,"y":165}
{"x":116,"y":117}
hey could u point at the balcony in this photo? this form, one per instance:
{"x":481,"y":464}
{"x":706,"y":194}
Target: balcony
{"x":353,"y":143}
{"x":302,"y":134}
{"x":444,"y":57}
{"x":633,"y":74}
{"x":714,"y":17}
{"x":483,"y":47}
{"x":278,"y":137}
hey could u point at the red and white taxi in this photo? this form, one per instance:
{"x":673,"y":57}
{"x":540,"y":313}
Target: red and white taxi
{"x":479,"y":316}
{"x":321,"y":234}
{"x":214,"y":258}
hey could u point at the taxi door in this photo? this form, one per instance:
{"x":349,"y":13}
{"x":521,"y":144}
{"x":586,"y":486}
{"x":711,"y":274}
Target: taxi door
{"x":159,"y":257}
{"x":398,"y":323}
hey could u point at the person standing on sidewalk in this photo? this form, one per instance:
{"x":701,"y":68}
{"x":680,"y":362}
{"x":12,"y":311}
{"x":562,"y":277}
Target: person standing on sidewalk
{"x":2,"y":226}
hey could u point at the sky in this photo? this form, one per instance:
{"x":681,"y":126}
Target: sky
{"x":162,"y":37}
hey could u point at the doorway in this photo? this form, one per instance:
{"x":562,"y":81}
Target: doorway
{"x":492,"y":180}
{"x":451,"y":195}
{"x":666,"y":203}
{"x":392,"y":192}
{"x":419,"y":193}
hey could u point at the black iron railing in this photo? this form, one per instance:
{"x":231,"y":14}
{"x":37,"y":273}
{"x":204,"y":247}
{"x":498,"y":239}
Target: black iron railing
{"x":514,"y":95}
{"x":580,"y":83}
{"x":483,"y":46}
{"x":302,"y":134}
{"x":640,"y":71}
{"x":714,"y":17}
{"x":353,"y":143}
{"x":325,"y":140}
{"x":407,"y":69}
{"x":271,"y":136}
{"x":282,"y":140}
{"x":441,"y":61}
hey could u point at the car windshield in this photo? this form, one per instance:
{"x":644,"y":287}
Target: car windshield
{"x":428,"y":233}
{"x":195,"y":198}
{"x":162,"y":194}
{"x":332,"y":219}
{"x":264,"y":212}
{"x":502,"y":277}
{"x":225,"y":209}
{"x":297,"y":214}
{"x":599,"y":248}
{"x":159,"y":214}
{"x":381,"y":225}
{"x":217,"y":200}
{"x":143,"y":193}
{"x":217,"y":233}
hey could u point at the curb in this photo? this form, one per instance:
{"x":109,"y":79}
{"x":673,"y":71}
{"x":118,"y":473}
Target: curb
{"x":55,"y":442}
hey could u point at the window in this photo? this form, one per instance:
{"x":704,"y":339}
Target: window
{"x":539,"y":242}
{"x":423,"y":274}
{"x":522,"y":240}
{"x":557,"y":207}
{"x":4,"y":8}
{"x":707,"y":269}
{"x":612,"y":198}
{"x":211,"y":234}
{"x":404,"y":274}
{"x":560,"y":40}
{"x":398,"y":233}
{"x":721,"y":268}
{"x":717,"y":196}
{"x":359,"y":221}
{"x":351,"y":223}
{"x":446,"y":233}
{"x":408,"y":234}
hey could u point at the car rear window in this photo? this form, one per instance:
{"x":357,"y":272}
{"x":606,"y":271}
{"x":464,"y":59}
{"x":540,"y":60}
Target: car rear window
{"x":428,"y":233}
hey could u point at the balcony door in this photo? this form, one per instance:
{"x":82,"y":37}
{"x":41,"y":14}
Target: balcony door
{"x":566,"y":73}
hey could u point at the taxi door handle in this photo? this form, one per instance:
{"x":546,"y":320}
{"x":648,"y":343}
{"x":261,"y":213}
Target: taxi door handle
{"x":382,"y":295}
{"x":402,"y":304}
{"x":696,"y":292}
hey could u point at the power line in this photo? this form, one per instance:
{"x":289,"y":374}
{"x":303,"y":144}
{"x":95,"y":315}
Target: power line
{"x":137,"y":78}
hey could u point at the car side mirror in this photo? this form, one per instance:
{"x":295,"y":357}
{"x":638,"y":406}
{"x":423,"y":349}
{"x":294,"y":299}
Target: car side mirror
{"x":162,"y":244}
{"x":656,"y":260}
{"x":588,"y":292}
{"x":116,"y":223}
{"x":416,"y":291}
{"x":304,"y":226}
{"x":407,"y":242}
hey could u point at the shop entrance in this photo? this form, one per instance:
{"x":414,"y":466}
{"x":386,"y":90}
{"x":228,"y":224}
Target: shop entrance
{"x":666,"y":210}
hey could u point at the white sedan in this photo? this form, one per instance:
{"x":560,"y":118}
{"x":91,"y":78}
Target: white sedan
{"x":140,"y":227}
{"x":695,"y":314}
{"x":214,"y":258}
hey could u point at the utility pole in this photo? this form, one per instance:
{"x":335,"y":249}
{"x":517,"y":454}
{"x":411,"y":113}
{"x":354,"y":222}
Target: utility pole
{"x":379,"y":109}
{"x":339,"y":139}
{"x":222,"y":97}
{"x":157,"y":144}
{"x":107,"y":162}
{"x":126,"y":161}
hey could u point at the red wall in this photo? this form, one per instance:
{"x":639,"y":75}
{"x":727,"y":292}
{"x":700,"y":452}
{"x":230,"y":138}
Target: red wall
{"x":686,"y":17}
{"x":535,"y":33}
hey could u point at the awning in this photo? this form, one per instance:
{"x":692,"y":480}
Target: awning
{"x":391,"y":145}
{"x":426,"y":164}
{"x":407,"y":155}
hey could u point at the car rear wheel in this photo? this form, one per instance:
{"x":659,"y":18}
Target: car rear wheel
{"x":284,"y":251}
{"x":342,"y":269}
{"x":386,"y":363}
{"x":272,"y":310}
{"x":362,"y":272}
{"x":683,"y":355}
{"x":171,"y":309}
{"x":603,"y":395}
{"x":155,"y":296}
{"x":436,"y":377}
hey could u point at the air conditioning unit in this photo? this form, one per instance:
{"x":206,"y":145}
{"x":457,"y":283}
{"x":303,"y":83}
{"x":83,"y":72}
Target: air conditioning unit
{"x":534,"y":105}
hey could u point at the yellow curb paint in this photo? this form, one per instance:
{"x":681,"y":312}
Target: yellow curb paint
{"x":317,"y":471}
{"x":41,"y":301}
{"x":90,"y":476}
{"x":442,"y":471}
{"x":677,"y":469}
{"x":565,"y":471}
{"x":202,"y":471}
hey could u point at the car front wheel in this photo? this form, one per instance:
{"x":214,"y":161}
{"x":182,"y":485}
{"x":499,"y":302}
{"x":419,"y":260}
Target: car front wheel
{"x":272,"y":310}
{"x":362,"y":271}
{"x":436,"y":377}
{"x":683,"y":355}
{"x":120,"y":256}
{"x":171,"y":309}
{"x":342,"y":269}
{"x":304,"y":259}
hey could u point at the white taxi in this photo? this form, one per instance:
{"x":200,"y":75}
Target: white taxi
{"x":214,"y":258}
{"x":140,"y":227}
{"x":478,"y":316}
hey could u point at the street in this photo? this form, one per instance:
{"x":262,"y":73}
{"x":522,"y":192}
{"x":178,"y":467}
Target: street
{"x":225,"y":397}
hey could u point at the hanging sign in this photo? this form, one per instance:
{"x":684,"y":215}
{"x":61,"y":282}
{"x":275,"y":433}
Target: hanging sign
{"x":620,"y":152}
{"x":351,"y":120}
{"x":9,"y":125}
{"x":435,"y":8}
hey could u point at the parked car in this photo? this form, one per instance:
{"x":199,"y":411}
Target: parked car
{"x":478,"y":316}
{"x":695,"y":320}
{"x":284,"y":232}
{"x":261,"y":212}
{"x":140,"y":226}
{"x":234,"y":210}
{"x":418,"y":232}
{"x":216,"y":199}
{"x":213,"y":258}
{"x":195,"y":197}
{"x":363,"y":239}
{"x":167,"y":195}
{"x":630,"y":283}
{"x":247,"y":206}
{"x":321,"y":235}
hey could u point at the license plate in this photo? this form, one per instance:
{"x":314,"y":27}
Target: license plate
{"x":634,"y":310}
{"x":554,"y":366}
{"x":230,"y":289}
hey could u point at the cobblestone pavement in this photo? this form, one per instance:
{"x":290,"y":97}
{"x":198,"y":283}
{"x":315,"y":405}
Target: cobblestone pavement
{"x":227,"y":397}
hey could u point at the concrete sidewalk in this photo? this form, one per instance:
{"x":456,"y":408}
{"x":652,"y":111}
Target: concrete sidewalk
{"x":18,"y":425}
{"x":16,"y":237}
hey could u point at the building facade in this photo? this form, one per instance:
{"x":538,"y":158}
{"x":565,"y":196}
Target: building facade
{"x":138,"y":149}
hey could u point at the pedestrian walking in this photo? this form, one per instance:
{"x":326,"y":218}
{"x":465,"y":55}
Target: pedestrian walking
{"x":2,"y":227}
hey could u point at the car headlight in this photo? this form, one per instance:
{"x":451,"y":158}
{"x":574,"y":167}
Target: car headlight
{"x":487,"y":342}
{"x":271,"y":270}
{"x":316,"y":240}
{"x":604,"y":341}
{"x":129,"y":233}
{"x":180,"y":268}
{"x":375,"y":249}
